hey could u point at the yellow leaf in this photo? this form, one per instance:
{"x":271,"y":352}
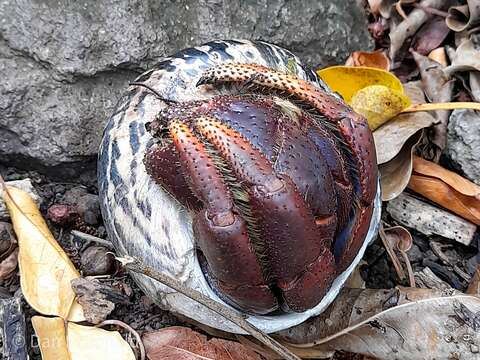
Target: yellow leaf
{"x":347,"y":80}
{"x":51,"y":337}
{"x":86,"y":342}
{"x":45,"y":269}
{"x":378,"y":104}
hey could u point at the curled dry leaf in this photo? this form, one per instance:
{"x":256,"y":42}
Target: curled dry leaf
{"x":463,"y":17}
{"x":378,"y":104}
{"x":465,"y":58}
{"x":408,"y":27}
{"x":447,"y":189}
{"x":400,"y":241}
{"x":459,"y":183}
{"x":405,"y":323}
{"x":438,"y":87}
{"x":396,"y":173}
{"x":45,"y":269}
{"x":348,"y":80}
{"x":181,"y":343}
{"x":439,"y":192}
{"x":375,"y":59}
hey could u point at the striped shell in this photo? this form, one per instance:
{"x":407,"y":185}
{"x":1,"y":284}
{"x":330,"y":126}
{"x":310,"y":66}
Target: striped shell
{"x":145,"y":222}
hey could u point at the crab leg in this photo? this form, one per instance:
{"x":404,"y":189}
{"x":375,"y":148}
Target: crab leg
{"x":220,"y":231}
{"x":296,"y":243}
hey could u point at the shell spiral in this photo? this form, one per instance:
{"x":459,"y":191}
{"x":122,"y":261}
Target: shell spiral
{"x":145,"y":222}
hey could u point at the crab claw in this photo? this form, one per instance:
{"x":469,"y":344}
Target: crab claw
{"x":220,"y":231}
{"x":296,"y":253}
{"x":352,"y":128}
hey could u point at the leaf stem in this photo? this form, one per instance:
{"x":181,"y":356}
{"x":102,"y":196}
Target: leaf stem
{"x":137,"y":266}
{"x":442,"y":106}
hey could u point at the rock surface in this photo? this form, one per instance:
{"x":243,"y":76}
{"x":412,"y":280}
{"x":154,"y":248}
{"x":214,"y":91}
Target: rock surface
{"x":65,"y":63}
{"x":463,"y":142}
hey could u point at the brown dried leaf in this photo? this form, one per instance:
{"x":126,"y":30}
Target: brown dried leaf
{"x":459,"y":183}
{"x":463,"y":17}
{"x":465,"y":58}
{"x":406,"y":322}
{"x":9,"y":265}
{"x":181,"y":343}
{"x":375,"y":59}
{"x":438,"y":87}
{"x":395,"y":174}
{"x":411,"y":24}
{"x":430,"y":36}
{"x":439,"y":192}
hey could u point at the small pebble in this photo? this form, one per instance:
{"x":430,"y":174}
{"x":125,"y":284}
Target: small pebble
{"x":97,"y":260}
{"x":6,"y":236}
{"x":62,"y":215}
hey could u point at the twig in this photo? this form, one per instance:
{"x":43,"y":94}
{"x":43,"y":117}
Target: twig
{"x":135,"y":265}
{"x":131,"y":330}
{"x":88,"y":237}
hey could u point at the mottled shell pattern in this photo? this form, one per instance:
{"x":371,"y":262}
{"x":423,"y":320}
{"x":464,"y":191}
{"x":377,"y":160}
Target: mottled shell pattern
{"x":144,"y":221}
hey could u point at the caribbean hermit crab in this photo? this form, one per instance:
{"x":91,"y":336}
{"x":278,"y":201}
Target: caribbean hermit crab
{"x":234,"y":169}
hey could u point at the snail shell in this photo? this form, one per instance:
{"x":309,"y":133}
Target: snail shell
{"x":145,"y":222}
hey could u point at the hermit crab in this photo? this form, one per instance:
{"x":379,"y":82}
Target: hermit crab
{"x":234,"y":169}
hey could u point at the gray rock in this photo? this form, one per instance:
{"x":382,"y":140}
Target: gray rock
{"x":65,"y":63}
{"x":463,"y":142}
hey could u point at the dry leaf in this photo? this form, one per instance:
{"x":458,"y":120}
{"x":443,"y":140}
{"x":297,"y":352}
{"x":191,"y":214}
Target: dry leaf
{"x":439,"y":55}
{"x":45,"y":269}
{"x":463,"y":17}
{"x":390,"y":137}
{"x":9,"y":265}
{"x":439,"y":192}
{"x":475,"y":85}
{"x":438,"y":87}
{"x":181,"y":343}
{"x":411,"y":24}
{"x":375,"y":59}
{"x":348,"y":80}
{"x":51,"y":337}
{"x":430,"y":36}
{"x":87,"y":342}
{"x":398,"y":240}
{"x":378,"y":104}
{"x":459,"y":183}
{"x":406,"y":323}
{"x":396,"y":173}
{"x":466,"y":58}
